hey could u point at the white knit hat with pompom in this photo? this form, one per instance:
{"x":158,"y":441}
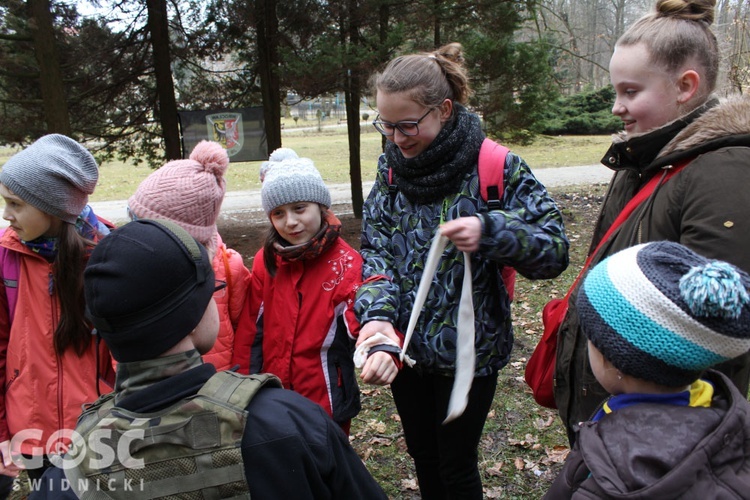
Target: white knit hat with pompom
{"x":287,"y":178}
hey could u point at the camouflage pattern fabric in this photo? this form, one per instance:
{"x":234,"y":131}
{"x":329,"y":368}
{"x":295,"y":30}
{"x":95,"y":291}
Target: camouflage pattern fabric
{"x":190,"y":450}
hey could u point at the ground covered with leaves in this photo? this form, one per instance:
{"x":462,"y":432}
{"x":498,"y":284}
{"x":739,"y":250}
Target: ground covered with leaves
{"x":523,"y":445}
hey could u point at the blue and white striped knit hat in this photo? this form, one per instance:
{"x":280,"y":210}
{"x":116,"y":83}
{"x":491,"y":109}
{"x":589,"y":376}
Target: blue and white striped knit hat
{"x":661,"y":312}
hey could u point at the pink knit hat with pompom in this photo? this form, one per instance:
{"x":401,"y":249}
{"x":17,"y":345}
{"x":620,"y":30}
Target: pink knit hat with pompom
{"x":187,"y":192}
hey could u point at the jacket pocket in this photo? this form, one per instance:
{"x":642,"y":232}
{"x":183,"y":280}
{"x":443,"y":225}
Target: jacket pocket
{"x":344,"y":390}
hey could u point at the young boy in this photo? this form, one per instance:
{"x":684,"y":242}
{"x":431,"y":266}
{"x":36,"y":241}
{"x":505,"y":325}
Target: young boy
{"x":174,"y":427}
{"x":656,"y":316}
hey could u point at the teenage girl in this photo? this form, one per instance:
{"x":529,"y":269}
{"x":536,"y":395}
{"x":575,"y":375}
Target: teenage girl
{"x":298,"y":322}
{"x":432,"y":152}
{"x":190,"y":193}
{"x":50,"y":362}
{"x":664,"y":70}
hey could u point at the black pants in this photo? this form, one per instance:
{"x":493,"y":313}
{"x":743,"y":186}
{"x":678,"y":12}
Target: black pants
{"x":37,"y":472}
{"x":445,"y":456}
{"x":6,"y":486}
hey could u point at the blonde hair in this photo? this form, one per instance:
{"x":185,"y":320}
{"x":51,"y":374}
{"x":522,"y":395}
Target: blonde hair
{"x":429,"y":77}
{"x":676,"y":33}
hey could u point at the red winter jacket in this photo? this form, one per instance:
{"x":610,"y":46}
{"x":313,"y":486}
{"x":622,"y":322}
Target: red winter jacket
{"x":42,"y":391}
{"x":300,"y":326}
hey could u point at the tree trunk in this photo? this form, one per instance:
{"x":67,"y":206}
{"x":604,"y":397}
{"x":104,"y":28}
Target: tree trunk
{"x":54,"y":100}
{"x":437,"y":40}
{"x":267,"y":29}
{"x":352,"y":91}
{"x":353,"y":95}
{"x":158,"y":27}
{"x":383,"y":30}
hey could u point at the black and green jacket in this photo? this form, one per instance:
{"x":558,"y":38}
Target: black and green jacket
{"x":526,"y":233}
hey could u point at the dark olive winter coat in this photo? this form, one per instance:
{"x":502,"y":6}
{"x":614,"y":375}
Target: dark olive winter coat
{"x":705,"y":207}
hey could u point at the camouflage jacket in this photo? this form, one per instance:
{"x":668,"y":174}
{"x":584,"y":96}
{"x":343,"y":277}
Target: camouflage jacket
{"x":527,"y":234}
{"x":289,"y":447}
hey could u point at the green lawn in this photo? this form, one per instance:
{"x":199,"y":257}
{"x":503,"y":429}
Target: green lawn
{"x":329,"y":150}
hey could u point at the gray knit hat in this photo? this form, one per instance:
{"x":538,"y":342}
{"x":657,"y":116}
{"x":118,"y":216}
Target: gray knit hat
{"x":54,"y":174}
{"x":287,"y":178}
{"x":663,"y":313}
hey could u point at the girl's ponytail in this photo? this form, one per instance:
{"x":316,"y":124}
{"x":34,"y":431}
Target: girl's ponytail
{"x":451,"y":60}
{"x":73,"y":330}
{"x":429,"y":78}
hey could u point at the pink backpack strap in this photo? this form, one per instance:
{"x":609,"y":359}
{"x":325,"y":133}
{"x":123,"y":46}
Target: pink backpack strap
{"x":491,"y":170}
{"x":10,"y":269}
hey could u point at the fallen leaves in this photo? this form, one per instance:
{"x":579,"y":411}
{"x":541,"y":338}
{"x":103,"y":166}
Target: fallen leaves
{"x":494,"y":492}
{"x":540,"y":423}
{"x":495,"y":470}
{"x":409,"y":484}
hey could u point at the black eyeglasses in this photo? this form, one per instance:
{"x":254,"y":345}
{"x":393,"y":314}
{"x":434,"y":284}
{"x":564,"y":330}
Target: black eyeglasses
{"x":409,"y":128}
{"x":219,"y":285}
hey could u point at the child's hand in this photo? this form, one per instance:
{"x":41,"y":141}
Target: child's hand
{"x":372,"y":327}
{"x":379,"y":369}
{"x":7,"y":466}
{"x":464,"y":232}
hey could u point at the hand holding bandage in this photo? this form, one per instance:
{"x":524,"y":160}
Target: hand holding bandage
{"x":377,"y":357}
{"x":465,"y":355}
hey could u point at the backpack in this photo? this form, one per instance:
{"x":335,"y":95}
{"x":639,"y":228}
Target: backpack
{"x":491,"y":171}
{"x":191,"y":449}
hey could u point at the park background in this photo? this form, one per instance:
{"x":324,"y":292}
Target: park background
{"x":115,"y":75}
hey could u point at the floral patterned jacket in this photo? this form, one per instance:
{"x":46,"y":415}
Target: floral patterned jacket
{"x":527,"y":234}
{"x":300,"y":326}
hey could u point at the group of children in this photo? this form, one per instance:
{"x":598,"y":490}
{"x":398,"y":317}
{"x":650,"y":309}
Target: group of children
{"x":52,"y":364}
{"x":654,"y":315}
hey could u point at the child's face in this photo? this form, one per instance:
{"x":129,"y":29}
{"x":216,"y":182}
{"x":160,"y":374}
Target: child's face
{"x":398,"y":106}
{"x":26,"y":220}
{"x":605,"y":373}
{"x":297,"y":222}
{"x":645,"y":96}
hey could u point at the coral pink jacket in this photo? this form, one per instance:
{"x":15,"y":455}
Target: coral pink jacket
{"x":42,"y":392}
{"x":228,"y":266}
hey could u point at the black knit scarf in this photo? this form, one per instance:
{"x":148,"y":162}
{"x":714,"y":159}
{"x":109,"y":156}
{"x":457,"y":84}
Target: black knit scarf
{"x":438,"y":170}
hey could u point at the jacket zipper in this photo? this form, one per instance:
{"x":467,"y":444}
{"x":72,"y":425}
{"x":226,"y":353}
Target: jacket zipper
{"x":55,"y":319}
{"x":648,"y":203}
{"x":291,"y":353}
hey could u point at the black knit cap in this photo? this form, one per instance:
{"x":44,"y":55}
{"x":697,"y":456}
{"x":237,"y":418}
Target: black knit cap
{"x":147,"y":286}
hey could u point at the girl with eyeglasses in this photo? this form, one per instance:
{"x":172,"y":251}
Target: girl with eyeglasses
{"x":189,"y":193}
{"x":427,"y":181}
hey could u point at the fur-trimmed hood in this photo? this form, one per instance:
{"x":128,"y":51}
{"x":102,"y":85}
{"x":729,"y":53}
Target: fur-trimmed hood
{"x":730,"y":118}
{"x":716,"y":124}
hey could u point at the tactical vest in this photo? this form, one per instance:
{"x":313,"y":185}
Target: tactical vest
{"x":189,"y":450}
